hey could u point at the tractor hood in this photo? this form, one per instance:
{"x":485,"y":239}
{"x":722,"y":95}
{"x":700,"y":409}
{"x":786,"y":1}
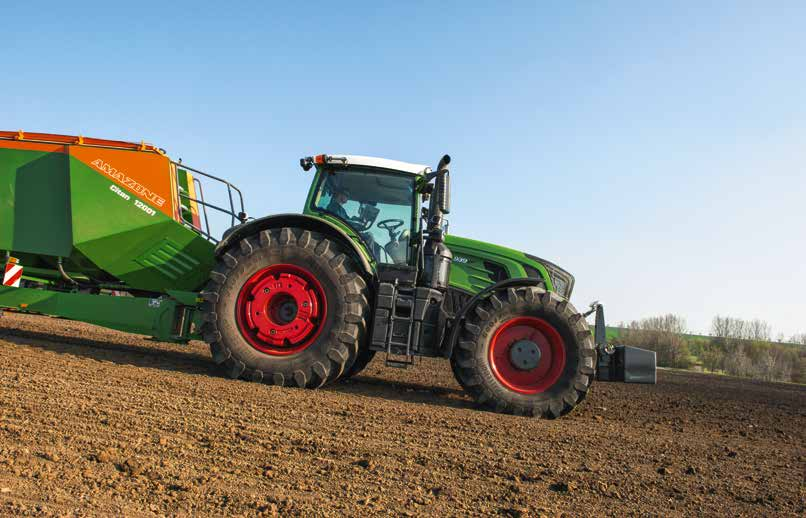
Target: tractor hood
{"x":477,"y":263}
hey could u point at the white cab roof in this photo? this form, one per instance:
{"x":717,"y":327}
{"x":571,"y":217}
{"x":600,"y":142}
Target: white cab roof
{"x":385,"y":163}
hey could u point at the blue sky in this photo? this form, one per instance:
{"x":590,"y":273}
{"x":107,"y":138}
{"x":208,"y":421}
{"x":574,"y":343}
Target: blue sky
{"x":654,"y":149}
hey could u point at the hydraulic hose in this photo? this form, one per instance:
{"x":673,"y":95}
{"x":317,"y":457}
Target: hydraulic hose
{"x":64,"y":274}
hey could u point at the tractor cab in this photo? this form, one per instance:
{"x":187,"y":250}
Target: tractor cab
{"x":379,"y":201}
{"x":374,"y":198}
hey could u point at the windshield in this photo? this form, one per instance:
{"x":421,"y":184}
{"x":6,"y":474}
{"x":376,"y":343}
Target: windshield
{"x":378,"y":206}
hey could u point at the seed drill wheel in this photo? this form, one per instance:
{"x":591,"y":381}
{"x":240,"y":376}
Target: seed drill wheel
{"x":286,"y":306}
{"x":525,"y":351}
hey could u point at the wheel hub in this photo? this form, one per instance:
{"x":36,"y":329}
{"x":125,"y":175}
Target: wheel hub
{"x":527,"y":355}
{"x":284,"y":311}
{"x":281,"y":309}
{"x":524,"y":355}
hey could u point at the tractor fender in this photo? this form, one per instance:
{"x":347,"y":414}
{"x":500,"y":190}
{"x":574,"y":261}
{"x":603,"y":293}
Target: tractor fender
{"x":450,"y":342}
{"x":235,"y":234}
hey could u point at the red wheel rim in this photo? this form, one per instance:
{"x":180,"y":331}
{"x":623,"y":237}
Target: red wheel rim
{"x":281,"y":309}
{"x":548,"y":368}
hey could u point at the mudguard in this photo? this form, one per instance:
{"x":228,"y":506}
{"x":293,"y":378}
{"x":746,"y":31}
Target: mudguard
{"x":234,"y":234}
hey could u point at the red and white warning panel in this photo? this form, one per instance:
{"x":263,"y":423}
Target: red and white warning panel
{"x":13,"y":273}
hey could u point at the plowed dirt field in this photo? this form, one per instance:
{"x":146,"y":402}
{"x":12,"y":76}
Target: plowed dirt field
{"x":96,"y":422}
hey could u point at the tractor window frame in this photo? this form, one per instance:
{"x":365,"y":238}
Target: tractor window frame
{"x":316,"y":193}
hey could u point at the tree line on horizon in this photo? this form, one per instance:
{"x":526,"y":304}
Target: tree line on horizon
{"x":735,"y":346}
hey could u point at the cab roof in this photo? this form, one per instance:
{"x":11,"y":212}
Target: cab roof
{"x":383,"y":163}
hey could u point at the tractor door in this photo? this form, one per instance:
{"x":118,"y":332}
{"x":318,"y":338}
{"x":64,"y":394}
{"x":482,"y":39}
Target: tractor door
{"x":382,"y":207}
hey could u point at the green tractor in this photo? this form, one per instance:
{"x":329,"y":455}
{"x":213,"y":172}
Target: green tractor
{"x":307,"y":299}
{"x":368,"y":268}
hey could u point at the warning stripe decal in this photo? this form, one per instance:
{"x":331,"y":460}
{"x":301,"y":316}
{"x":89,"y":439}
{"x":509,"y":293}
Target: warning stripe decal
{"x":12,"y":275}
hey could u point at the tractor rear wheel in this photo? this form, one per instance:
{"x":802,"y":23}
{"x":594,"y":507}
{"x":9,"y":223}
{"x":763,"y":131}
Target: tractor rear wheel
{"x":525,"y":351}
{"x":364,"y":357}
{"x":286,"y":306}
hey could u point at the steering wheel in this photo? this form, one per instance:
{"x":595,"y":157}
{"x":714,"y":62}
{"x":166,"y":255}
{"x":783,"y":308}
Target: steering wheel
{"x":390,"y":225}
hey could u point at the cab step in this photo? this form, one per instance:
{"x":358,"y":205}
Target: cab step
{"x":399,"y":361}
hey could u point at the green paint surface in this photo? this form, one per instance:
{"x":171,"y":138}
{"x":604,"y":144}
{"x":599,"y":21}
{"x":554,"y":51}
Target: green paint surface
{"x":34,"y":203}
{"x":147,"y":316}
{"x":53,"y":205}
{"x":473,"y":276}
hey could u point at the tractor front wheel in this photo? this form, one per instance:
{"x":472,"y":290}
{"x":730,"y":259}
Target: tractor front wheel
{"x":287,"y":306}
{"x":525,"y":351}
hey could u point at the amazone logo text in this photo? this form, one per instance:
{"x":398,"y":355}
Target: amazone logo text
{"x":129,"y":183}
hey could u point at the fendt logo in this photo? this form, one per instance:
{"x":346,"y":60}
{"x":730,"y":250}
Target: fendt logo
{"x":130,"y":183}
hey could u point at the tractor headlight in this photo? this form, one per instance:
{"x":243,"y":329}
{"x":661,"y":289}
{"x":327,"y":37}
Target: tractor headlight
{"x":560,"y":284}
{"x":562,"y":281}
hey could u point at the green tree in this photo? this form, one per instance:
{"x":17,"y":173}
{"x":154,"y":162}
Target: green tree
{"x":713,"y":357}
{"x":662,"y":334}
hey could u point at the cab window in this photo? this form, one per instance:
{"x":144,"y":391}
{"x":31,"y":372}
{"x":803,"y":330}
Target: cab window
{"x":378,"y":206}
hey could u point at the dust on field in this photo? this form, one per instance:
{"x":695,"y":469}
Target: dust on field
{"x":94,"y":422}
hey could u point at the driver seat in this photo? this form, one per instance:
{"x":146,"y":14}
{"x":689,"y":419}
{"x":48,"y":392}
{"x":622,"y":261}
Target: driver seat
{"x":397,"y":248}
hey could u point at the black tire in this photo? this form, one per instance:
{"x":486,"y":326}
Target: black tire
{"x":471,"y":359}
{"x":364,"y":357}
{"x":332,"y":352}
